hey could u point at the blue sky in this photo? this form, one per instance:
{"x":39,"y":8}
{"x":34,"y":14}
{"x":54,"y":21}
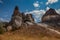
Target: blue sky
{"x":35,"y":7}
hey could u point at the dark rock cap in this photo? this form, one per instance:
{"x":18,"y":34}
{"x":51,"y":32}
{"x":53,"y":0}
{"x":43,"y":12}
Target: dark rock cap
{"x":16,"y":11}
{"x":16,"y":8}
{"x":51,"y":12}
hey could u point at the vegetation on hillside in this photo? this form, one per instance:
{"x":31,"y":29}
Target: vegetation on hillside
{"x":2,"y":29}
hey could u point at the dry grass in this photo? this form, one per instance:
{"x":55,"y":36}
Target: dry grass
{"x":10,"y":36}
{"x":27,"y":33}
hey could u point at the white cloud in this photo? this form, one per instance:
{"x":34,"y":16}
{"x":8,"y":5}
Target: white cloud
{"x":58,"y":11}
{"x":36,"y":4}
{"x":6,"y":15}
{"x":41,"y":2}
{"x":37,"y":14}
{"x":47,"y":8}
{"x":4,"y":20}
{"x":1,"y":1}
{"x":51,"y":1}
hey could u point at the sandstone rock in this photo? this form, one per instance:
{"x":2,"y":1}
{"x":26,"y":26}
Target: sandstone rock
{"x":29,"y":18}
{"x":9,"y":28}
{"x":51,"y":16}
{"x":29,"y":23}
{"x":18,"y":19}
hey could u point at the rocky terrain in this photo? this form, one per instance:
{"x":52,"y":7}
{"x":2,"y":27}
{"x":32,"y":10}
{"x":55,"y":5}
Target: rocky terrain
{"x":23,"y":27}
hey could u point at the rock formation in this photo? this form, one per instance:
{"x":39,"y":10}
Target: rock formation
{"x":18,"y":19}
{"x":29,"y":18}
{"x":27,"y":26}
{"x":51,"y":16}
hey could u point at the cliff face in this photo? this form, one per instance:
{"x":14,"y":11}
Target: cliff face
{"x":51,"y":16}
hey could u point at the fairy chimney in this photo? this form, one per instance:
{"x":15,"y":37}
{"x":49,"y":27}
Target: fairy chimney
{"x":51,"y":16}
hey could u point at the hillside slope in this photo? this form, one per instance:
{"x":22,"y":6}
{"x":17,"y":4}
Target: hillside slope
{"x":32,"y":32}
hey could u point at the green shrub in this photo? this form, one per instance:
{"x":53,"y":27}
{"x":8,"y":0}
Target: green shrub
{"x":2,"y":30}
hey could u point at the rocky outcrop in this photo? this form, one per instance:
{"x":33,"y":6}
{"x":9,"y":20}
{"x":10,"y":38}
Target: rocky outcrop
{"x":18,"y":19}
{"x":29,"y":18}
{"x":51,"y":16}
